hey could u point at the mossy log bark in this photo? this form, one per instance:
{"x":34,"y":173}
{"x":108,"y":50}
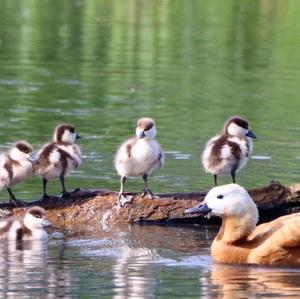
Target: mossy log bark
{"x":96,"y":207}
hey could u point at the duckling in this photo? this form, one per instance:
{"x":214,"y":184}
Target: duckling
{"x":239,"y":241}
{"x":56,"y":159}
{"x":15,"y":167}
{"x":139,"y":156}
{"x":31,"y":227}
{"x":229,"y":152}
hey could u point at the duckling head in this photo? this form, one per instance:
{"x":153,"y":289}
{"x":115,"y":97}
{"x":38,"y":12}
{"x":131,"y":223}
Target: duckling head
{"x":35,"y":218}
{"x":65,"y":133}
{"x":239,"y":127}
{"x":227,"y":201}
{"x":146,"y":128}
{"x":21,"y":150}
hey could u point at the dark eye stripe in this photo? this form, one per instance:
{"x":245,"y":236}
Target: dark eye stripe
{"x":241,"y":123}
{"x":148,"y":127}
{"x":23,"y":147}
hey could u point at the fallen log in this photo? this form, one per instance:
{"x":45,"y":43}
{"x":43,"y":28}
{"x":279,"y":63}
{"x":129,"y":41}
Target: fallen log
{"x":96,"y":207}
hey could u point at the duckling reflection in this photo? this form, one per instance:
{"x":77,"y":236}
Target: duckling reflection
{"x":20,"y":262}
{"x":130,"y":278}
{"x":27,"y":270}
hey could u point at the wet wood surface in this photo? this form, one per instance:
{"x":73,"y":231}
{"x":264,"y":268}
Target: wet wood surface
{"x":100,"y":207}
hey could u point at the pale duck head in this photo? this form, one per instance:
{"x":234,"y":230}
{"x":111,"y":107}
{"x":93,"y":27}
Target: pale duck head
{"x":230,"y":200}
{"x":35,"y":218}
{"x":65,"y":133}
{"x":239,"y":127}
{"x":146,"y":128}
{"x":21,"y":151}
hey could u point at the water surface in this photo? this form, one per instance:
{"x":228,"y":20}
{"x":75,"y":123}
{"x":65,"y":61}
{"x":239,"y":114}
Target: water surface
{"x":189,"y":64}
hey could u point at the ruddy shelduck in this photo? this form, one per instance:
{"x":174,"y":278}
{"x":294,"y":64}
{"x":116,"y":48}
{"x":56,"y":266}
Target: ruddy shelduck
{"x":239,"y":240}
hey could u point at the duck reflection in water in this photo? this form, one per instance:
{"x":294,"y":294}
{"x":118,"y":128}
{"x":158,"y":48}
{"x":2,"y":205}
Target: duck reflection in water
{"x":241,"y":281}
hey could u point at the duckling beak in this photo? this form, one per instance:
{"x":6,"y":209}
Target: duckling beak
{"x":78,"y":136}
{"x":46,"y":223}
{"x":251,"y":134}
{"x":31,"y":159}
{"x":142,"y":134}
{"x":202,"y":208}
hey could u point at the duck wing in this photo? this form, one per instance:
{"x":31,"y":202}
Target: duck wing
{"x":277,"y":242}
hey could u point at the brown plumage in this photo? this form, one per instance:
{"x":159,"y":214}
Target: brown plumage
{"x":15,"y":167}
{"x":56,"y":159}
{"x":239,"y":241}
{"x":30,"y":227}
{"x":228,"y":152}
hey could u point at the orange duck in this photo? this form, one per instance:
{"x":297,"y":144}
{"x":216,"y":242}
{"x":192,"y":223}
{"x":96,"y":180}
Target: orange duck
{"x":239,"y":240}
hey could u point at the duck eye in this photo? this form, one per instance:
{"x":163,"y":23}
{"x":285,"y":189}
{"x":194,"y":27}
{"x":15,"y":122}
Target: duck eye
{"x":37,"y":216}
{"x":220,"y":196}
{"x":72,"y":130}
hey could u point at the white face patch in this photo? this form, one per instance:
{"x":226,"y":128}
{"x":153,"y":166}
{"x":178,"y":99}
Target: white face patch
{"x":18,"y":155}
{"x":148,"y":133}
{"x":68,"y":137}
{"x":229,"y":200}
{"x":32,"y":222}
{"x":235,"y":130}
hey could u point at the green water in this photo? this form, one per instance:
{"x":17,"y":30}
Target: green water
{"x":188,"y":64}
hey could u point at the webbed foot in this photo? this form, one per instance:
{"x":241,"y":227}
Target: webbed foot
{"x":45,"y":197}
{"x":17,"y":202}
{"x":65,"y":194}
{"x":124,"y":199}
{"x":149,"y":194}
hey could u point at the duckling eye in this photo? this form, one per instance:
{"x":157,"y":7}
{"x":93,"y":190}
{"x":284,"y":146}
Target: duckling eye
{"x":220,"y":196}
{"x":37,"y":216}
{"x":72,"y":130}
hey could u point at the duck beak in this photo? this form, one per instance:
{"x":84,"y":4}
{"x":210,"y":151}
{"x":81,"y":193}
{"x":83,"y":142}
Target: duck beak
{"x":202,"y":208}
{"x":46,"y":223}
{"x":78,"y":136}
{"x":251,"y":134}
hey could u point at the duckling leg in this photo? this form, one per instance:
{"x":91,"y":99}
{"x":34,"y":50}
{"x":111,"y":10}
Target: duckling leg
{"x":16,"y":202}
{"x":146,"y":189}
{"x":45,"y":195}
{"x":122,"y":198}
{"x":233,"y":175}
{"x":62,"y":180}
{"x":216,"y":179}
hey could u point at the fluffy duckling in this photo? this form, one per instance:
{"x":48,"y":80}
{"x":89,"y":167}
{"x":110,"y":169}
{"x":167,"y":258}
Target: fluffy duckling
{"x":15,"y":167}
{"x":228,"y":152}
{"x":31,"y":227}
{"x":239,"y":240}
{"x":56,"y":159}
{"x":139,"y":156}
